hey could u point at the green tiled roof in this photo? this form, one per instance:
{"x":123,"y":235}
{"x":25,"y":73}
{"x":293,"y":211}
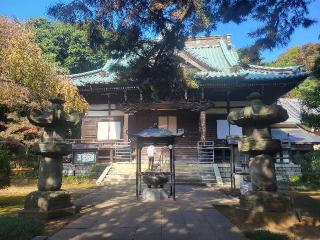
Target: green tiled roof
{"x":219,"y":56}
{"x":248,"y":77}
{"x":92,"y":77}
{"x":103,"y":75}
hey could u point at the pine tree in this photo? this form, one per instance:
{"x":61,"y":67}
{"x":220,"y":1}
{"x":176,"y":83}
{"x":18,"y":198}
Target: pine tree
{"x":152,"y":64}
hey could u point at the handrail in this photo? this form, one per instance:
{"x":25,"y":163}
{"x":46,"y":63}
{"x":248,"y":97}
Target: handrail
{"x":104,"y":174}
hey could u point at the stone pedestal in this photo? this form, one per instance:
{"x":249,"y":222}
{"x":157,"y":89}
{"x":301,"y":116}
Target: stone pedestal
{"x":262,"y":172}
{"x":44,"y":205}
{"x":264,"y":201}
{"x":154,"y":194}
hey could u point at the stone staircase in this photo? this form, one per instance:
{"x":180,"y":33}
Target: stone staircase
{"x":189,"y":173}
{"x":195,"y":173}
{"x":119,"y":172}
{"x":207,"y":172}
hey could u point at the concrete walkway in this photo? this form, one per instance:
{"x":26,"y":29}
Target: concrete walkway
{"x":118,"y":215}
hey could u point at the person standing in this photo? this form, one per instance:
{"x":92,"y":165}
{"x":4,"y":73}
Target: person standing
{"x":151,"y":151}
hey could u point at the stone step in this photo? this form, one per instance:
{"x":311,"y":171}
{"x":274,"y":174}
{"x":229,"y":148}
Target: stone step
{"x":195,"y":183}
{"x":120,"y":182}
{"x":186,"y":173}
{"x":188,"y":177}
{"x":120,"y":177}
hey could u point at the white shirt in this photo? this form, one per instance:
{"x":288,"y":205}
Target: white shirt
{"x":151,"y":151}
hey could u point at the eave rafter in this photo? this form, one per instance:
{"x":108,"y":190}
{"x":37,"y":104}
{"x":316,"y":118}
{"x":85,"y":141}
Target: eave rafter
{"x":176,"y":105}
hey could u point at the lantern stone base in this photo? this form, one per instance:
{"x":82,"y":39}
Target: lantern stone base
{"x":154,"y":194}
{"x":45,"y":205}
{"x":264,"y":201}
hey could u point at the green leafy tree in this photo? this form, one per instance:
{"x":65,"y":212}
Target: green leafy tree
{"x":306,"y":56}
{"x":310,"y":94}
{"x":289,"y":58}
{"x":286,"y":59}
{"x":68,"y":45}
{"x":153,"y":64}
{"x":316,"y":68}
{"x":308,"y":91}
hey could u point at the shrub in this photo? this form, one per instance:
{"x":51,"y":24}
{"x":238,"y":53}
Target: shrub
{"x":19,"y":228}
{"x":265,"y":235}
{"x":31,"y":174}
{"x":4,"y":166}
{"x":295,"y":180}
{"x":310,"y":170}
{"x":76,"y":179}
{"x":311,"y":177}
{"x":305,"y":181}
{"x":29,"y":160}
{"x":313,"y":158}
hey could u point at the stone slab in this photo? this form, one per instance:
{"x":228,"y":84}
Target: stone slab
{"x":120,"y":216}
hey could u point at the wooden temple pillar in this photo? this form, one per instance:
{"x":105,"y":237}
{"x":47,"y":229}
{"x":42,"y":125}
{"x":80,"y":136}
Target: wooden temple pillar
{"x":202,"y":125}
{"x":125,"y":126}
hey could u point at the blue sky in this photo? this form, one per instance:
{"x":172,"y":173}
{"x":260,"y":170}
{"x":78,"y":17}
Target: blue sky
{"x":24,"y":9}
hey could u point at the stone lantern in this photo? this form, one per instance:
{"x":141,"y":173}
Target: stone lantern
{"x":255,"y":120}
{"x":50,"y":201}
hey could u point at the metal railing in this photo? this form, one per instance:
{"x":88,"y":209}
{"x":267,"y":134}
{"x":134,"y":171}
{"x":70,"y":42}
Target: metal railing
{"x":123,"y":151}
{"x":205,"y":151}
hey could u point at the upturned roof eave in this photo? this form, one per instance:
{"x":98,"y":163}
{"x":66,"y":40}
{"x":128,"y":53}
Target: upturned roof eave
{"x":247,"y":80}
{"x":84,"y":74}
{"x":213,"y":65}
{"x":267,"y":68}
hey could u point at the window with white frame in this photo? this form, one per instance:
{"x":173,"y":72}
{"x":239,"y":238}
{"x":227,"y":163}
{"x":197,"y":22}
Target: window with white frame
{"x":109,"y":130}
{"x":168,"y":122}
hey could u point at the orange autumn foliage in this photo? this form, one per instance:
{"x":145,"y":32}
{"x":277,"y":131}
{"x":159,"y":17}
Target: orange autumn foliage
{"x":26,"y":79}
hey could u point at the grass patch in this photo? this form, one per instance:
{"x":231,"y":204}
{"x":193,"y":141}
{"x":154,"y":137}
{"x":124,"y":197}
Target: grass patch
{"x":12,"y":198}
{"x":19,"y":228}
{"x":266,"y":235}
{"x":77,"y":182}
{"x":10,"y":205}
{"x":76,"y":178}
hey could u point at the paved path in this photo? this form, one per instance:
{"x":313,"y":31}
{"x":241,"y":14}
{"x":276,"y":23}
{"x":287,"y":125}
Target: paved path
{"x":119,"y":216}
